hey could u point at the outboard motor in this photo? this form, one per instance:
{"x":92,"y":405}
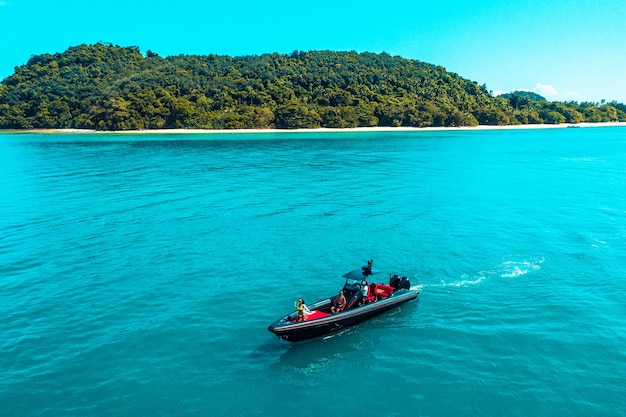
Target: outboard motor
{"x":399,"y":283}
{"x":405,"y":283}
{"x":394,"y":281}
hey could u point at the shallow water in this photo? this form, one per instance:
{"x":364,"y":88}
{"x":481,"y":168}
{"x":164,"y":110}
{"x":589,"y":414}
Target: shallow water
{"x":138,"y":274}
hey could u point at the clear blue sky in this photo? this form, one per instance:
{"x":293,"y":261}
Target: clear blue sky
{"x":562,"y":49}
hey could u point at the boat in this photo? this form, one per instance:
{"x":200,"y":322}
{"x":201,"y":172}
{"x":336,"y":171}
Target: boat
{"x":364,"y":299}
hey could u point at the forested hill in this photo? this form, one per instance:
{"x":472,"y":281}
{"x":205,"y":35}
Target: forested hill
{"x":108,"y":87}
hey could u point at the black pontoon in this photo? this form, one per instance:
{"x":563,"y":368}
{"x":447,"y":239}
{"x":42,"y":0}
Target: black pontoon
{"x":364,"y":300}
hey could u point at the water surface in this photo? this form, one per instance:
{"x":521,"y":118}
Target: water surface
{"x":138,"y":274}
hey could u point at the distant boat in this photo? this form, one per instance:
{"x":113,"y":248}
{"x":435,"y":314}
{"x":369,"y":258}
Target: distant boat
{"x":364,"y":300}
{"x":573,"y":126}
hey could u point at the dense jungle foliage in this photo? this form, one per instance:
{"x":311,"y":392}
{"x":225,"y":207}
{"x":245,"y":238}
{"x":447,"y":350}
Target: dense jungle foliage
{"x":107,"y":87}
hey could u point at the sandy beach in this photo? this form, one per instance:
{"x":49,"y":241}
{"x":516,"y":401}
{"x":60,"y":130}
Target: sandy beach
{"x":320,"y":130}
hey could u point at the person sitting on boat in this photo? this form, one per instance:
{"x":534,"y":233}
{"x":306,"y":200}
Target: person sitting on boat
{"x":303,"y":310}
{"x":339,"y":303}
{"x":365,"y":293}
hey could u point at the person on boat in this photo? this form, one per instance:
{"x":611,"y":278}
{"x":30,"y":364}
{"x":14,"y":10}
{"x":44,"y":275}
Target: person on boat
{"x":365,"y":293}
{"x":303,"y":310}
{"x":339,"y":303}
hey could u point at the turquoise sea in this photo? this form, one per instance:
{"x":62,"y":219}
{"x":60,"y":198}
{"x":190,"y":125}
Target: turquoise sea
{"x":139,"y":273}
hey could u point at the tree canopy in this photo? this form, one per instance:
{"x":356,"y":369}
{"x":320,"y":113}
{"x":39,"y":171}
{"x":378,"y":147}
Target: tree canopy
{"x":108,"y":87}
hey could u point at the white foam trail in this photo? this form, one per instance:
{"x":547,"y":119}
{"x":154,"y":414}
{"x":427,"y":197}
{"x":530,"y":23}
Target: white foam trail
{"x":506,"y":269}
{"x":512,"y":269}
{"x":464,"y":282}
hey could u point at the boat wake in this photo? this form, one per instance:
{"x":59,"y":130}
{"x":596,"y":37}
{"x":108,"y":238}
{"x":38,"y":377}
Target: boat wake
{"x":513,"y":267}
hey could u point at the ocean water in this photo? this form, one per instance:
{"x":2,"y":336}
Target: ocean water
{"x":139,"y":273}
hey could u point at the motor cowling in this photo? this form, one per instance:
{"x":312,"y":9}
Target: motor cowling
{"x":394,"y":281}
{"x":399,"y":283}
{"x":405,"y":283}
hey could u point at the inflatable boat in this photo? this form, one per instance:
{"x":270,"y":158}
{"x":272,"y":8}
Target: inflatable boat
{"x":364,"y":299}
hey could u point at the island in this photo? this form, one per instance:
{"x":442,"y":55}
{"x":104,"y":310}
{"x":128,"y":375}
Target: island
{"x":106,"y":87}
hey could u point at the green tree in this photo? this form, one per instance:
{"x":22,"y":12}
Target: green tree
{"x":103,"y":86}
{"x":296,"y":116}
{"x":552,"y":116}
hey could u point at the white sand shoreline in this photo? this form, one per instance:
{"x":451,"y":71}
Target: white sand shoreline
{"x":319,"y":130}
